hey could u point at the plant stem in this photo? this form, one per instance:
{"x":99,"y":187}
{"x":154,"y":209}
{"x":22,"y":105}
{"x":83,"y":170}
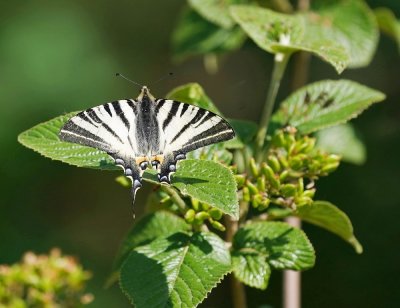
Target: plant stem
{"x":292,"y":279}
{"x":174,"y":197}
{"x":237,"y":288}
{"x":277,"y":73}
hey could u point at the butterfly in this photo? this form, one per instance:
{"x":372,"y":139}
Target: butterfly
{"x":146,"y":132}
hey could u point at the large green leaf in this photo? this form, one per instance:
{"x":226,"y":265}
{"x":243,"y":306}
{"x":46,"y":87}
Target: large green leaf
{"x":43,"y":138}
{"x":388,"y":23}
{"x":251,"y":268}
{"x":207,"y":181}
{"x":325,"y":103}
{"x":326,"y":215}
{"x":215,"y":11}
{"x":194,"y":35}
{"x":342,"y":140}
{"x":350,"y":23}
{"x":283,"y":33}
{"x":147,"y":229}
{"x":175,"y":271}
{"x":283,"y":246}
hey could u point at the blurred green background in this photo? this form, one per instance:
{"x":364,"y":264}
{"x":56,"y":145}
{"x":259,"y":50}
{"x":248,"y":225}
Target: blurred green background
{"x":57,"y":57}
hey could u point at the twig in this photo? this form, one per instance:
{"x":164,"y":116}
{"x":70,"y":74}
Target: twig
{"x":237,"y":288}
{"x":292,"y":279}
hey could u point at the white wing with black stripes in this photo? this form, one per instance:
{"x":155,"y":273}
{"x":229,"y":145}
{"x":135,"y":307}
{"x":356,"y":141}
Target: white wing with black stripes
{"x":146,"y":132}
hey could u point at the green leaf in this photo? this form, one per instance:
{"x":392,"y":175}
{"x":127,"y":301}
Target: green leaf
{"x":283,"y":33}
{"x":284,"y":246}
{"x":207,"y":181}
{"x":215,"y":11}
{"x":328,"y":216}
{"x":388,"y":23}
{"x":194,"y":35}
{"x":325,"y":103}
{"x":43,"y":138}
{"x":342,"y":140}
{"x":215,"y":152}
{"x":252,"y":269}
{"x":193,"y":93}
{"x":178,"y":270}
{"x":147,"y":229}
{"x":350,"y":23}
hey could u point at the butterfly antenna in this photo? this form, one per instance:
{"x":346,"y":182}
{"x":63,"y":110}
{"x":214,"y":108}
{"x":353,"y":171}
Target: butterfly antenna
{"x":122,"y":76}
{"x":163,"y":77}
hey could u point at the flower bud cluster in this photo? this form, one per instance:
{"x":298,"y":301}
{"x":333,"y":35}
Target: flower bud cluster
{"x":44,"y":281}
{"x":201,"y":212}
{"x":290,"y":161}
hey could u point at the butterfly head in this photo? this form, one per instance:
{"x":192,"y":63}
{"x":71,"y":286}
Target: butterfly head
{"x":145,"y":93}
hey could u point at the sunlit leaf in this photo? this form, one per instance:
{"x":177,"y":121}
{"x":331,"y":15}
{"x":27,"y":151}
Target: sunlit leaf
{"x":147,"y":229}
{"x":349,"y":23}
{"x":207,"y":181}
{"x":283,"y":246}
{"x":388,"y":23}
{"x":43,"y":138}
{"x":328,"y":216}
{"x":325,"y":103}
{"x":175,"y":271}
{"x":342,"y":140}
{"x":251,"y":268}
{"x":283,"y":33}
{"x":215,"y":11}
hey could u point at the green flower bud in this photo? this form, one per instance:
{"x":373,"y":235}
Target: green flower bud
{"x":300,"y":186}
{"x":270,"y":175}
{"x":215,"y":213}
{"x":309,"y":193}
{"x":200,"y":217}
{"x":252,"y":188}
{"x":261,"y":183}
{"x":240,"y":180}
{"x":246,"y":194}
{"x":196,"y":204}
{"x":257,"y":200}
{"x":264,"y":204}
{"x":296,"y":163}
{"x":238,"y":161}
{"x":283,"y":161}
{"x":273,"y":162}
{"x":330,"y":167}
{"x":123,"y":181}
{"x":204,"y":206}
{"x":189,"y":215}
{"x":333,"y":158}
{"x":301,"y":201}
{"x":288,"y":190}
{"x":253,"y":167}
{"x":217,"y":225}
{"x":283,"y":175}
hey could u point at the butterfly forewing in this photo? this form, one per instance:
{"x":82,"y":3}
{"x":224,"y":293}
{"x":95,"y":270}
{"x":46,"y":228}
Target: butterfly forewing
{"x":186,"y":127}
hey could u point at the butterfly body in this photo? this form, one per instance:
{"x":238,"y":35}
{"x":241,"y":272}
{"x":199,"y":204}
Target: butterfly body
{"x":146,"y":132}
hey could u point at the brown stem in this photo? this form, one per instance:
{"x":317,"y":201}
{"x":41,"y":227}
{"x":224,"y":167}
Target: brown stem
{"x":237,"y":288}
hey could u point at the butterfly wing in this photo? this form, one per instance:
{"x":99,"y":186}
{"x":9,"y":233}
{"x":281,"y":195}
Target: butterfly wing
{"x":111,"y":128}
{"x":185,"y":128}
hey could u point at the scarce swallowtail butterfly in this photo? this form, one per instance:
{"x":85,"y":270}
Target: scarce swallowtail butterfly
{"x":146,"y":132}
